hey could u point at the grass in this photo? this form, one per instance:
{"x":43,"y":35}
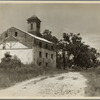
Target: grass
{"x":93,"y":83}
{"x":9,"y":77}
{"x":13,"y":71}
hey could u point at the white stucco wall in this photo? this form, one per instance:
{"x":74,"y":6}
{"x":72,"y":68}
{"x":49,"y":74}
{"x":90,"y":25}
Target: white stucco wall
{"x":16,"y":48}
{"x":25,"y":55}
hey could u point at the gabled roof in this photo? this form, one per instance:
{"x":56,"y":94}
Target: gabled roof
{"x":36,"y":37}
{"x":34,"y":17}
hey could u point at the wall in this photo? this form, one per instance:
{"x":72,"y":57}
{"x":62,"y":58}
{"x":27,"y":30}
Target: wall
{"x":43,"y":59}
{"x":51,"y":62}
{"x":16,"y":48}
{"x":34,"y":27}
{"x":25,"y":55}
{"x":23,"y":37}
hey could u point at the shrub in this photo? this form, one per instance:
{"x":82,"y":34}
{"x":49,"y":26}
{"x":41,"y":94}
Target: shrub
{"x":13,"y":71}
{"x":7,"y":62}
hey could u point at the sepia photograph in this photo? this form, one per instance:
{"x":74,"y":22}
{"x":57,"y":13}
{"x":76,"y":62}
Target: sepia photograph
{"x":49,"y":49}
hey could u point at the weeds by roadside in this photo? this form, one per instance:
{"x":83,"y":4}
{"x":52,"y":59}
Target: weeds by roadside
{"x":13,"y":71}
{"x":10,"y":77}
{"x":93,"y":76}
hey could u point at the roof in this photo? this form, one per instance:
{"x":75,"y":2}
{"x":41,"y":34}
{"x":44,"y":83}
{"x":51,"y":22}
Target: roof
{"x":34,"y":17}
{"x":36,"y":37}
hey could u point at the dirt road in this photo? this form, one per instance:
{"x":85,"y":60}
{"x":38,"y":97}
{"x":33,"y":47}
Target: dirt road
{"x":70,"y":84}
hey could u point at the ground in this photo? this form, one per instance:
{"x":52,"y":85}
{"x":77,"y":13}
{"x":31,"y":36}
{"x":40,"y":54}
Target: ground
{"x":71,"y":84}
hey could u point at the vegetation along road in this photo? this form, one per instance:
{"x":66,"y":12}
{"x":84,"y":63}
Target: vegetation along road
{"x":71,"y":84}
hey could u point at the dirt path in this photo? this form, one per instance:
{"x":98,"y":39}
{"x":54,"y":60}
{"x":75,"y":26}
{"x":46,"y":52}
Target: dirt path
{"x":70,"y":84}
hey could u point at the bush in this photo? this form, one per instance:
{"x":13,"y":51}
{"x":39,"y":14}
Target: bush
{"x":8,"y":63}
{"x":12,"y":70}
{"x":14,"y":65}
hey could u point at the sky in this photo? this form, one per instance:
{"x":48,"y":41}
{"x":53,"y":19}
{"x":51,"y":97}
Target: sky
{"x":83,"y":18}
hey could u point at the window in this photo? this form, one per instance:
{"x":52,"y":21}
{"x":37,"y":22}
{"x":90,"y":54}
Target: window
{"x":52,"y":48}
{"x":46,"y":46}
{"x":40,"y":44}
{"x":46,"y":64}
{"x":40,"y":54}
{"x":51,"y":56}
{"x":6,"y":35}
{"x":31,"y":26}
{"x":46,"y":55}
{"x":16,"y":34}
{"x":40,"y":63}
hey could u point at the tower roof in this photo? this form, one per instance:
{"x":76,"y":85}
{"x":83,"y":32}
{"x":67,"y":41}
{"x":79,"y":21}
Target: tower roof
{"x":33,"y":18}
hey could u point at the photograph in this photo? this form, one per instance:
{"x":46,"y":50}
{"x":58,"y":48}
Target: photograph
{"x":49,"y":49}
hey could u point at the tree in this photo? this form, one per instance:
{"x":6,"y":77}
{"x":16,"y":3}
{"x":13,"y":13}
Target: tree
{"x":83,"y":55}
{"x":48,"y":35}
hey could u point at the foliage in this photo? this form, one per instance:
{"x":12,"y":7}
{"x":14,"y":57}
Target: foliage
{"x":47,"y":35}
{"x":39,"y":34}
{"x":8,"y":62}
{"x":13,"y":71}
{"x":83,"y":55}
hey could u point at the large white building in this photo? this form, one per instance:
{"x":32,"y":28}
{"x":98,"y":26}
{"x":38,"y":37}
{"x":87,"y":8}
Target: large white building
{"x":27,"y":46}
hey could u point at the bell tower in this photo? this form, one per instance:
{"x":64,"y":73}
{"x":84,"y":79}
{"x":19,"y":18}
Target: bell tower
{"x":34,"y":25}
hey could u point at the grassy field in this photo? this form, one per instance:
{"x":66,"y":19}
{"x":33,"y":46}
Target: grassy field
{"x":93,"y":76}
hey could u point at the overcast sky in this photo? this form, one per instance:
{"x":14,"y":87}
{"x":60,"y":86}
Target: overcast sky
{"x":58,"y":18}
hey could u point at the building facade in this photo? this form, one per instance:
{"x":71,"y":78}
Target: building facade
{"x":27,"y":46}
